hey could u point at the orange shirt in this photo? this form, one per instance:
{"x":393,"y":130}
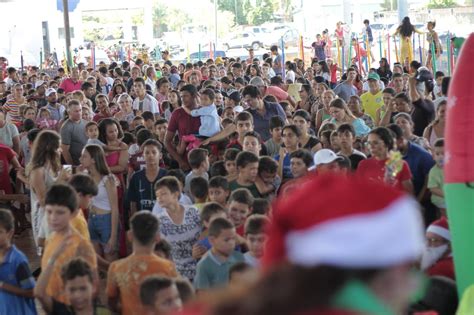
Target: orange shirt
{"x":125,"y":276}
{"x":79,"y":248}
{"x":80,"y":224}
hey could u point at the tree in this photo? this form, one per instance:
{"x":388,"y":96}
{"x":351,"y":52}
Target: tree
{"x":389,"y":5}
{"x":439,"y":4}
{"x":159,"y":19}
{"x":236,"y":7}
{"x":261,"y":13}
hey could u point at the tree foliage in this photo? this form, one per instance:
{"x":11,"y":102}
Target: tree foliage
{"x":389,"y":5}
{"x":440,"y":4}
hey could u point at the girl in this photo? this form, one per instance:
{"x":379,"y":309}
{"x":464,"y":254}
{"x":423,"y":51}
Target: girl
{"x":404,"y":121}
{"x":302,"y":120}
{"x":433,"y":40}
{"x":307,"y":98}
{"x":435,"y":130}
{"x":323,"y":114}
{"x":323,"y":70}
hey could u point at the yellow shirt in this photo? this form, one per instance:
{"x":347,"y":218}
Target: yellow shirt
{"x":80,"y":224}
{"x":79,"y":248}
{"x":371,"y":102}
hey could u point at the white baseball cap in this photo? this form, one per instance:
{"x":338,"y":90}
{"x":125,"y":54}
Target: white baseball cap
{"x":50,"y":91}
{"x":324,"y":156}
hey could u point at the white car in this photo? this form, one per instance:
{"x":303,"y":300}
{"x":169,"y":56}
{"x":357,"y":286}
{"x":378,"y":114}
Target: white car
{"x":243,"y":40}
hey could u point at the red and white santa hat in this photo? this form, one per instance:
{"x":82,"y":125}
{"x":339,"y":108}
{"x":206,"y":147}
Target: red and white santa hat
{"x":440,"y":227}
{"x":345,"y":222}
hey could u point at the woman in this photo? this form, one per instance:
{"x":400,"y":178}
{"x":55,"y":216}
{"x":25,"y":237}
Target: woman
{"x":342,"y":115}
{"x":405,"y":31}
{"x":384,"y":69}
{"x":175,"y":100}
{"x":290,"y":72}
{"x":126,"y":112}
{"x":434,"y":44}
{"x":12,"y":105}
{"x":380,"y":167}
{"x":322,"y":70}
{"x":356,"y":109}
{"x":307,"y":98}
{"x":42,"y":172}
{"x":309,"y":74}
{"x":87,"y":114}
{"x":302,"y":120}
{"x":404,"y":121}
{"x":9,"y":135}
{"x":435,"y":130}
{"x":104,"y":211}
{"x":253,"y":71}
{"x":323,"y":113}
{"x":110,"y":133}
{"x":291,"y":139}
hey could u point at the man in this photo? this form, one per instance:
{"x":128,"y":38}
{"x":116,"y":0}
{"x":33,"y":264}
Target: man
{"x":397,"y":83}
{"x":372,"y":99}
{"x":346,"y":88}
{"x":71,"y":84}
{"x":89,"y":91}
{"x":73,"y":134}
{"x":261,"y":110}
{"x":56,"y":109}
{"x":182,"y":122}
{"x":144,"y":101}
{"x":437,"y":259}
{"x":237,"y":70}
{"x":325,"y":161}
{"x":423,"y":109}
{"x":274,"y":90}
{"x":277,"y":60}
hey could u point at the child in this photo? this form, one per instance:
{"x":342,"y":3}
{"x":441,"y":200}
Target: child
{"x":230,"y":155}
{"x":300,"y":161}
{"x":240,"y":206}
{"x":436,"y":177}
{"x":136,"y":161}
{"x":160,"y":295}
{"x":213,"y":269}
{"x":209,"y":213}
{"x":16,"y":282}
{"x":219,"y":190}
{"x":199,"y":191}
{"x":124,"y":291}
{"x":199,"y":161}
{"x":273,"y":144}
{"x":179,"y":224}
{"x":163,"y":249}
{"x":92,"y":132}
{"x":184,"y":199}
{"x":44,"y":120}
{"x":255,"y":236}
{"x":247,"y":172}
{"x":210,"y":121}
{"x":261,"y":206}
{"x":186,"y":290}
{"x":251,"y":143}
{"x":243,"y":123}
{"x":347,"y":135}
{"x":161,"y":125}
{"x":85,"y":189}
{"x":61,"y":207}
{"x":267,"y":180}
{"x":148,"y":120}
{"x":78,"y":279}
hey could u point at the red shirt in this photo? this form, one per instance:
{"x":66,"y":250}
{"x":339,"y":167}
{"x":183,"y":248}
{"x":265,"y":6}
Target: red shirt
{"x":69,"y":86}
{"x":280,"y":94}
{"x":183,"y":123}
{"x":375,"y":170}
{"x":443,"y":267}
{"x":6,"y":155}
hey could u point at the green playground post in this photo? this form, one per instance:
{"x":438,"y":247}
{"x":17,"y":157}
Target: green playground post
{"x":433,"y":56}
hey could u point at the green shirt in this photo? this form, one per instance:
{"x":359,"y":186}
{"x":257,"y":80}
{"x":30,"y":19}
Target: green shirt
{"x":212,"y":272}
{"x":233,"y":185}
{"x":436,"y":180}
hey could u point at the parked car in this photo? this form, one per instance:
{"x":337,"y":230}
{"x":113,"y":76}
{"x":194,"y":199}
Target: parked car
{"x":290,"y":38}
{"x":243,"y":40}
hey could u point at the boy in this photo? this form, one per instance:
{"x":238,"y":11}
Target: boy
{"x":261,"y":206}
{"x":92,"y":132}
{"x":141,"y":192}
{"x":213,"y":269}
{"x":198,"y":159}
{"x":148,"y":120}
{"x":160,"y":129}
{"x":136,"y":161}
{"x":267,"y":180}
{"x":16,"y":282}
{"x":255,"y":237}
{"x":240,"y":206}
{"x":436,"y":177}
{"x":219,"y":190}
{"x":230,"y":155}
{"x":184,"y":199}
{"x":160,"y":295}
{"x":251,"y":143}
{"x":439,"y":75}
{"x":346,"y":134}
{"x":273,"y":144}
{"x":78,"y":280}
{"x":244,"y":123}
{"x":61,"y":207}
{"x":85,"y":189}
{"x":125,"y":275}
{"x":247,"y":172}
{"x":199,"y":191}
{"x":300,"y":161}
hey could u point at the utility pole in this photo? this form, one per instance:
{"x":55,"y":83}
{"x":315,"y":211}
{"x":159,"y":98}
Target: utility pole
{"x":402,"y":9}
{"x":67,"y":32}
{"x":215,"y":25}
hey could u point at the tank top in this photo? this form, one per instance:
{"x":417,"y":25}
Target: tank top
{"x":102,"y":201}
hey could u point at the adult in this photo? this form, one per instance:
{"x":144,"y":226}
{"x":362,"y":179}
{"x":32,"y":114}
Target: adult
{"x":384,"y":69}
{"x":302,"y":119}
{"x":125,"y":112}
{"x":399,"y":104}
{"x":318,"y":48}
{"x":291,"y":139}
{"x":308,"y":99}
{"x":346,"y":88}
{"x":435,"y":130}
{"x":404,"y":121}
{"x":423,"y":111}
{"x":342,"y":115}
{"x":103,"y":110}
{"x":55,"y":108}
{"x":277,"y":64}
{"x":151,"y":79}
{"x":9,"y":135}
{"x":183,"y":123}
{"x":372,"y":99}
{"x":111,"y":134}
{"x":73,"y":134}
{"x":347,"y":136}
{"x":379,"y":167}
{"x":323,"y":113}
{"x":355,"y":107}
{"x":279,"y":93}
{"x":144,"y":102}
{"x":261,"y":110}
{"x":103,"y":219}
{"x":13,"y":103}
{"x":405,"y":30}
{"x":72,"y":83}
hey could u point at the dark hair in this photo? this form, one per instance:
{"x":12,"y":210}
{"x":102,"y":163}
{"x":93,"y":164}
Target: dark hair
{"x":219,"y":182}
{"x":267,"y":164}
{"x":244,"y":158}
{"x":140,"y":80}
{"x":239,"y":267}
{"x":403,"y":97}
{"x":243,"y":116}
{"x":230,"y":154}
{"x":163,"y":246}
{"x":276,"y":122}
{"x":218,"y":225}
{"x":196,"y":157}
{"x":147,"y":115}
{"x":293,"y":128}
{"x":260,"y":206}
{"x":406,"y":29}
{"x":366,"y":21}
{"x":346,"y":128}
{"x":385,"y":135}
{"x":256,"y":224}
{"x":150,"y":287}
{"x":144,"y":135}
{"x":209,"y":210}
{"x":152,"y":142}
{"x":439,"y":143}
{"x":179,"y":174}
{"x":104,"y":123}
{"x":169,"y":182}
{"x":6,"y":219}
{"x":32,"y":134}
{"x":439,"y":74}
{"x":254,"y":134}
{"x":191,"y":89}
{"x":445,"y":85}
{"x":210,"y":93}
{"x":252,"y":91}
{"x":62,"y":195}
{"x":76,"y":267}
{"x":161,"y":81}
{"x":199,"y":187}
{"x":389,"y":90}
{"x":218,"y":169}
{"x":84,"y":184}
{"x":304,"y":155}
{"x":186,"y":290}
{"x":242,"y":195}
{"x":397,"y":130}
{"x":303,"y":114}
{"x":145,"y":227}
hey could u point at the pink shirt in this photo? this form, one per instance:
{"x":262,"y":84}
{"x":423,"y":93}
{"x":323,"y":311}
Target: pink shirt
{"x":280,"y":94}
{"x":69,"y":86}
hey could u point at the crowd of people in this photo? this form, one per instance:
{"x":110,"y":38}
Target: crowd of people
{"x":161,"y":187}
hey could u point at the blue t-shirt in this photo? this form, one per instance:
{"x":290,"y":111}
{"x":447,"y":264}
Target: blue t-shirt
{"x":261,"y":124}
{"x":420,"y":162}
{"x":286,"y":166}
{"x":15,"y":271}
{"x":142,"y":191}
{"x":212,"y":272}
